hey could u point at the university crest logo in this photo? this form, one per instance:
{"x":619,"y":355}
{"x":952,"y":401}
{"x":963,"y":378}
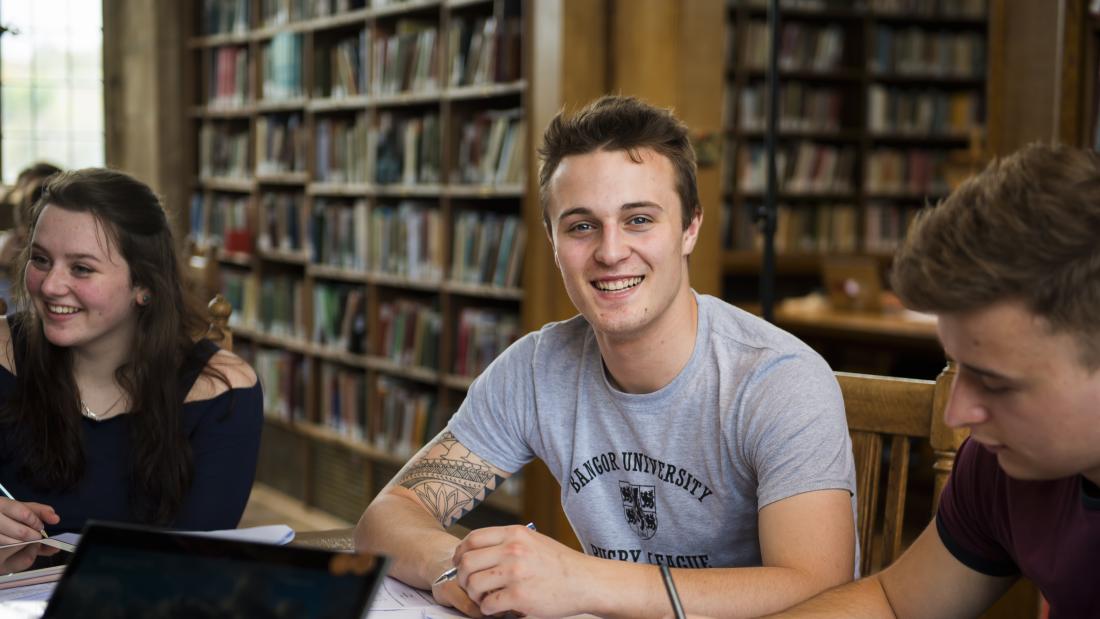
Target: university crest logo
{"x":640,"y":506}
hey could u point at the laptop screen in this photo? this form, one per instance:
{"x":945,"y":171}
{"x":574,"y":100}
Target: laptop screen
{"x":135,"y":572}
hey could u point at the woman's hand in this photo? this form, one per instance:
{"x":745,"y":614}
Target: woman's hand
{"x":24,"y":522}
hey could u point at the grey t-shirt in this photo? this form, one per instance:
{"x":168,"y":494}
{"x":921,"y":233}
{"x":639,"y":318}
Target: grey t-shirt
{"x":675,"y":476}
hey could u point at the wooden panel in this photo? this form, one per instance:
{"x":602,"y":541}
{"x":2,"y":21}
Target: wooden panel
{"x":1024,"y":41}
{"x":645,"y":49}
{"x":699,"y":103}
{"x":282,"y":460}
{"x":339,"y":481}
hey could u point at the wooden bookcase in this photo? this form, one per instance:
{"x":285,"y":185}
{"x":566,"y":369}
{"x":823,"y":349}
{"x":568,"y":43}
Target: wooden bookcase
{"x":875,"y":100}
{"x":338,"y":186}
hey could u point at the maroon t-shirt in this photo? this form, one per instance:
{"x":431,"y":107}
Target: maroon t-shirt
{"x":1048,"y":531}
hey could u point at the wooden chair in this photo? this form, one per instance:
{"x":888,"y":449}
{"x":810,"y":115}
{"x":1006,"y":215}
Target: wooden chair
{"x":884,"y":414}
{"x":219,"y":332}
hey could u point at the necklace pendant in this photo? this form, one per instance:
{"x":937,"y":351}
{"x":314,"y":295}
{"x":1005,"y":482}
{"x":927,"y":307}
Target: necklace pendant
{"x":87,"y":412}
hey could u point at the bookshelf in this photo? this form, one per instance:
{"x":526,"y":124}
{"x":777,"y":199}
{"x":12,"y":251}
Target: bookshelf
{"x":361,"y":179}
{"x":877,"y":98}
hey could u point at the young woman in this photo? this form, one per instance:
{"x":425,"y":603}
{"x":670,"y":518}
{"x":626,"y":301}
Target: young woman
{"x":110,"y":407}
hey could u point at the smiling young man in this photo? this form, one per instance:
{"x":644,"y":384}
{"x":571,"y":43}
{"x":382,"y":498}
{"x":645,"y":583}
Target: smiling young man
{"x":1011,"y":263}
{"x":683,"y":431}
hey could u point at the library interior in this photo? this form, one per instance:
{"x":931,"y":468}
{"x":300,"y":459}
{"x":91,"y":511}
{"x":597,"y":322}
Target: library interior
{"x":359,"y":182}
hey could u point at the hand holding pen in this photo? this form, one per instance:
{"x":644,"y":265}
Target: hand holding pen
{"x":453,"y":572}
{"x":22,"y":522}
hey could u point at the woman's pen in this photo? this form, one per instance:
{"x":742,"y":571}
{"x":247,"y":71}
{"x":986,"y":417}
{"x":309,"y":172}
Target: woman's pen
{"x":8,"y":494}
{"x":451,"y":573}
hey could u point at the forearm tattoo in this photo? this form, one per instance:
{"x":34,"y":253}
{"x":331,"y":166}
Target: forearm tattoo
{"x":450,"y":480}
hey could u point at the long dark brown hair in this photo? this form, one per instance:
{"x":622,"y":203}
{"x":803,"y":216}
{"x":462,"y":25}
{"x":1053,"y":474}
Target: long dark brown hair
{"x":45,"y":408}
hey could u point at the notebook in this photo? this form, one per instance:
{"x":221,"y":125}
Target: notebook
{"x":128,"y":571}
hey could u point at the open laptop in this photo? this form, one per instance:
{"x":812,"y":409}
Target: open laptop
{"x":126,"y":571}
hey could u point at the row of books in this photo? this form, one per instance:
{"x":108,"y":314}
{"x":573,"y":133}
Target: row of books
{"x":339,"y":316}
{"x":344,"y":406}
{"x":282,"y":67}
{"x":234,"y":16}
{"x":273,"y":304}
{"x":488,"y":249}
{"x":403,"y":62}
{"x":285,"y":378}
{"x":281,"y":221}
{"x":923,"y":8}
{"x":405,"y":418}
{"x":916,"y":172}
{"x":931,"y":8}
{"x":221,"y":220}
{"x":802,"y":107}
{"x":225,"y":16}
{"x":407,"y":60}
{"x":279,"y":310}
{"x":336,"y":232}
{"x":802,"y":46}
{"x":803,"y":5}
{"x":406,"y":240}
{"x":803,"y":167}
{"x":491,"y":149}
{"x":924,"y":112}
{"x":823,"y":228}
{"x":408,"y":418}
{"x":482,"y":335}
{"x":801,"y":229}
{"x":280,"y":144}
{"x":276,"y":12}
{"x":885,"y":226}
{"x":341,"y":69}
{"x":223,"y":150}
{"x":923,"y":52}
{"x":407,"y":149}
{"x":228,"y":84}
{"x":483,"y":53}
{"x":410,"y":332}
{"x":341,"y":149}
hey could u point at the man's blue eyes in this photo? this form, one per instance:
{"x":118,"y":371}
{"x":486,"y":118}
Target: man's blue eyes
{"x":634,"y":221}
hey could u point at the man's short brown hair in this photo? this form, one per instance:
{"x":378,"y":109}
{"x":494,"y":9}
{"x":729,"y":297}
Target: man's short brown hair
{"x":1026,"y":228}
{"x":621,"y":123}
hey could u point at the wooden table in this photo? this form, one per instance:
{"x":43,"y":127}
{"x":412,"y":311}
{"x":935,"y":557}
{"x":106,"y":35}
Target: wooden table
{"x":892,"y":342}
{"x":333,"y":539}
{"x":899,"y":327}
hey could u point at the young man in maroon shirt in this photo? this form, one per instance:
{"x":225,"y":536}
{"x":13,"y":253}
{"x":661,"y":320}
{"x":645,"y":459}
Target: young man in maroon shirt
{"x":1011,"y":264}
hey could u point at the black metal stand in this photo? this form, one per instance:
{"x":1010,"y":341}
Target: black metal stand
{"x":766,"y":215}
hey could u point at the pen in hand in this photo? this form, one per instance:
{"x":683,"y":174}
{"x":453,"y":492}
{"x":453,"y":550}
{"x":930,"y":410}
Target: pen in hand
{"x":8,"y":494}
{"x":673,"y":596}
{"x":453,"y":572}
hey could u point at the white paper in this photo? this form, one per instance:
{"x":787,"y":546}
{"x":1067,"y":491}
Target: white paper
{"x":277,"y":534}
{"x":28,"y":593}
{"x":22,"y":610}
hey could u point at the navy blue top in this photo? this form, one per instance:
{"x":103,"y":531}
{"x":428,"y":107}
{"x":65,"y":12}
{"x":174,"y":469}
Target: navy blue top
{"x":224,"y":433}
